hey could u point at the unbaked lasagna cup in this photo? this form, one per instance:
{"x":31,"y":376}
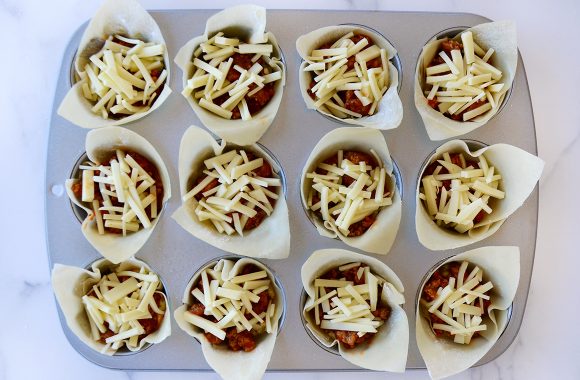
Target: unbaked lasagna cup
{"x":387,"y":349}
{"x":102,"y":144}
{"x":500,"y":267}
{"x":380,"y":227}
{"x":79,"y":289}
{"x":236,"y":357}
{"x":247,"y":24}
{"x":499,"y":39}
{"x":388,"y":112}
{"x":519,"y":171}
{"x":129,"y":21}
{"x":271,"y":237}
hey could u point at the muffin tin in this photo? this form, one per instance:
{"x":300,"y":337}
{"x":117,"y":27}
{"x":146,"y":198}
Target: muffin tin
{"x":175,"y":254}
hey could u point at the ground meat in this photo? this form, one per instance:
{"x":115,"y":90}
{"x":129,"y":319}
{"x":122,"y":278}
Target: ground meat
{"x":360,"y":227}
{"x":376,"y":62}
{"x":448,"y":45}
{"x":433,"y":103}
{"x":262,"y":305}
{"x":212,"y":338}
{"x":356,"y":157}
{"x":353,"y":103}
{"x":260,"y":99}
{"x":352,"y":275}
{"x":459,"y":116}
{"x":382,"y":312}
{"x":256,"y":102}
{"x":242,"y":60}
{"x":147,"y":165}
{"x":263,"y":171}
{"x":332,"y":274}
{"x":243,"y":340}
{"x":350,"y":339}
{"x":213,"y":183}
{"x":309,"y":90}
{"x":437,"y":60}
{"x":106,"y":334}
{"x":197,"y":309}
{"x":152,"y":324}
{"x":454,"y":160}
{"x":256,"y":220}
{"x":440,"y":279}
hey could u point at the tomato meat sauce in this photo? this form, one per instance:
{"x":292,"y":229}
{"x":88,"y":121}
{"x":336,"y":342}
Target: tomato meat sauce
{"x":235,"y":341}
{"x":154,"y":76}
{"x":257,"y":101}
{"x":263,"y":171}
{"x":350,"y":339}
{"x":356,"y":157}
{"x":351,"y":101}
{"x":150,"y":325}
{"x":147,"y":165}
{"x":448,"y":46}
{"x":447,"y":183}
{"x":440,"y":279}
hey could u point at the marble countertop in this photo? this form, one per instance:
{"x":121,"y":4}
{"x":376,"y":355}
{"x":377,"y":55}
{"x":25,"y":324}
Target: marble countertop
{"x":32,"y":344}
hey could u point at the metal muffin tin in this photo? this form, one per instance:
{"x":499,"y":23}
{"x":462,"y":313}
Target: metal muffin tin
{"x":174,"y":254}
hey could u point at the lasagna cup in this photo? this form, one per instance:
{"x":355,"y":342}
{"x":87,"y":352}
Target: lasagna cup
{"x":233,"y":75}
{"x":463,"y":308}
{"x":464,"y":195}
{"x":349,"y":191}
{"x":118,"y":223}
{"x":347,"y":75}
{"x":461,"y":82}
{"x":354,"y":301}
{"x":121,"y":68}
{"x":234,"y":307}
{"x":232,"y":197}
{"x":113,"y":308}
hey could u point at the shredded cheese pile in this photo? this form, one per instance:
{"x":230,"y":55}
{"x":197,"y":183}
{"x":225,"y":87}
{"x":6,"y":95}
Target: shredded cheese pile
{"x":210,"y":74}
{"x":464,"y":79}
{"x":229,"y":299}
{"x":460,"y":305}
{"x":118,"y":306}
{"x":129,"y":185}
{"x":341,"y":206}
{"x":331,"y":74}
{"x":239,"y":193}
{"x":346,"y":306}
{"x":471,"y":191}
{"x":118,"y":78}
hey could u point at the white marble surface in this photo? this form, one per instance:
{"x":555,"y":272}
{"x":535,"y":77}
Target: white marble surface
{"x":32,"y":345}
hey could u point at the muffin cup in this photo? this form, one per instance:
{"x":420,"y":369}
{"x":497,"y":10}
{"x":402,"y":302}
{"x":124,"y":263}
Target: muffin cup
{"x":502,"y":37}
{"x":271,"y":239}
{"x":228,"y":364}
{"x":71,"y":283}
{"x":114,"y":17}
{"x":98,"y":144}
{"x":388,"y":349}
{"x":443,"y":357}
{"x":520,"y":171}
{"x":247,"y":22}
{"x":381,"y":235}
{"x":389,"y":112}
